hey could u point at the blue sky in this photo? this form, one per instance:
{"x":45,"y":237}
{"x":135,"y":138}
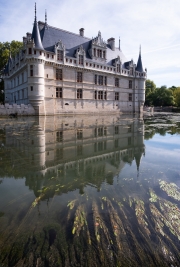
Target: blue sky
{"x":153,"y":24}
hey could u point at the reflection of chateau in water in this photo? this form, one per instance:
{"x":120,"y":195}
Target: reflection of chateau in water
{"x":87,"y":149}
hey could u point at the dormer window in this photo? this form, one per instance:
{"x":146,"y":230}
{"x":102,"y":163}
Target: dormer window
{"x":81,"y":59}
{"x":59,"y":55}
{"x":94,"y":52}
{"x":118,"y":67}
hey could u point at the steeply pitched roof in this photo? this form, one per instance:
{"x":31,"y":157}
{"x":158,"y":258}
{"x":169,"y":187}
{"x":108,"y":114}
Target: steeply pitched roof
{"x":36,"y":35}
{"x":139,"y":66}
{"x":51,"y":35}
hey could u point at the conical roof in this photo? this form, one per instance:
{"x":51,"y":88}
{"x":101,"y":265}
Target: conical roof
{"x":36,"y":35}
{"x":139,"y":66}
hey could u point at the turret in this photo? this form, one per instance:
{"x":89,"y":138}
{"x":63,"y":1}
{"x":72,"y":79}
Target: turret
{"x":139,"y":66}
{"x":139,"y":95}
{"x":36,"y":35}
{"x":36,"y":70}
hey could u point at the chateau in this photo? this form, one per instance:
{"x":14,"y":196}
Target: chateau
{"x":59,"y":72}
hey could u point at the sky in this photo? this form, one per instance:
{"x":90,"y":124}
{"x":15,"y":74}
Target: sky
{"x":153,"y":24}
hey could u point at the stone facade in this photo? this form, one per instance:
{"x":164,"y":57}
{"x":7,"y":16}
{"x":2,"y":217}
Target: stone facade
{"x":73,"y":75}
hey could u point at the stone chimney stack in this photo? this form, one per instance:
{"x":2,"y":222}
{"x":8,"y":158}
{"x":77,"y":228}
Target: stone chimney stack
{"x":81,"y":32}
{"x":24,"y":40}
{"x":28,"y":34}
{"x":111,"y":42}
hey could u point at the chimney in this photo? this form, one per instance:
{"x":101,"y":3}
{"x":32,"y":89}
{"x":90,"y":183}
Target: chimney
{"x":24,"y":40}
{"x":81,"y":32}
{"x":111,"y":42}
{"x":28,"y":34}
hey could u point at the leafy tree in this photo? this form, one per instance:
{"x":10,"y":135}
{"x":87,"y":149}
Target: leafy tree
{"x":14,"y":47}
{"x":150,"y":89}
{"x":176,"y":94}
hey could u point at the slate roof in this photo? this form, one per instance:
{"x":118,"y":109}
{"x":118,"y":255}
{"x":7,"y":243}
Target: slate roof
{"x":139,"y":66}
{"x":36,"y":36}
{"x":51,"y":35}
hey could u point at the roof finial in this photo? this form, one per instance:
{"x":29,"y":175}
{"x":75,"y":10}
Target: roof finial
{"x":35,"y":12}
{"x":45,"y":16}
{"x":119,"y":44}
{"x":140,"y":49}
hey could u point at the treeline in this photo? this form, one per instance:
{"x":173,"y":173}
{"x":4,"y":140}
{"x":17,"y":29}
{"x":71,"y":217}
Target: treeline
{"x":161,"y":96}
{"x":6,"y":49}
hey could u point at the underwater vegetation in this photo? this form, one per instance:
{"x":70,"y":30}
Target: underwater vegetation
{"x":117,"y":229}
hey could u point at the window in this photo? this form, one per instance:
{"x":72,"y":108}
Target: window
{"x":100,"y":131}
{"x":99,"y":146}
{"x":31,"y":88}
{"x":60,"y":55}
{"x":105,"y":80}
{"x":22,"y":77}
{"x":118,"y":67}
{"x":79,"y":134}
{"x":104,"y":54}
{"x":95,"y":79}
{"x":81,"y":60}
{"x":59,"y":92}
{"x":30,"y":51}
{"x":31,"y":70}
{"x":130,"y":84}
{"x":79,"y":93}
{"x":34,"y":52}
{"x":117,"y":82}
{"x":22,"y":93}
{"x":94,"y":52}
{"x":18,"y":80}
{"x":99,"y":52}
{"x":116,"y":129}
{"x":116,"y":95}
{"x":59,"y":74}
{"x":100,"y":80}
{"x":100,"y":94}
{"x":95,"y":94}
{"x":59,"y":136}
{"x":105,"y":95}
{"x":130,"y":97}
{"x":79,"y":77}
{"x":47,"y":55}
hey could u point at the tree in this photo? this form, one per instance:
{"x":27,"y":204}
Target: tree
{"x":5,"y":48}
{"x":14,"y":47}
{"x":150,"y":89}
{"x":176,"y":94}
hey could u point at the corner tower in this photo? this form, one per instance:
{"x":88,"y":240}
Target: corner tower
{"x":35,"y":66}
{"x":139,"y":86}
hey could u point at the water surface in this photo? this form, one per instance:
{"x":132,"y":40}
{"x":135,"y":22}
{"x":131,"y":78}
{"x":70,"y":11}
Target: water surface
{"x":90,"y":191}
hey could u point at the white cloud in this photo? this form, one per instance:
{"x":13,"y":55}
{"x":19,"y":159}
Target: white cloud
{"x":153,"y":24}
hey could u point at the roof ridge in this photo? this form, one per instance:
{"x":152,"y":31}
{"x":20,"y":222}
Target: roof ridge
{"x":70,"y":32}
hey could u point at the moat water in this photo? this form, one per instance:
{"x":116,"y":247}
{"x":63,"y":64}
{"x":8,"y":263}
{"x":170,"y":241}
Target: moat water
{"x":90,"y":191}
